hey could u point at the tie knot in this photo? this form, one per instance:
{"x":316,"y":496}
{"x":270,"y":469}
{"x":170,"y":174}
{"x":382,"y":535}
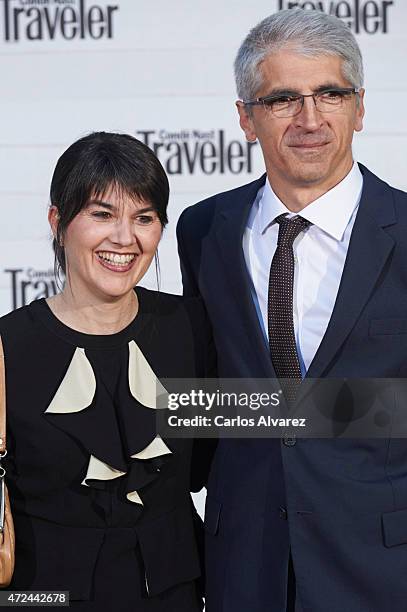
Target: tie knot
{"x":290,"y":228}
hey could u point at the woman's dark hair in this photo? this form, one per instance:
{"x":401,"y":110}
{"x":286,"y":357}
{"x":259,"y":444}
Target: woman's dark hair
{"x":96,"y":163}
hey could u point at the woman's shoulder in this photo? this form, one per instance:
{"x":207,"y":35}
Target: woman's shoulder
{"x":21,"y":329}
{"x":185,"y":317}
{"x":18,"y":320}
{"x":159,"y":302}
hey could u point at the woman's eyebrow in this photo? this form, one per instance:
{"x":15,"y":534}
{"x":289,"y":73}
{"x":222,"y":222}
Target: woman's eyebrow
{"x":102,"y":203}
{"x":110,"y":206}
{"x":145,"y":209}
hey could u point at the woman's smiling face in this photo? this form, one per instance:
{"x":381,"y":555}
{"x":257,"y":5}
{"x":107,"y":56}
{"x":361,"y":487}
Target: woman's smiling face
{"x":109,"y":245}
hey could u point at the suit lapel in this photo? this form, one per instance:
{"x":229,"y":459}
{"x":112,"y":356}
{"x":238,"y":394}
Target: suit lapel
{"x":369,"y":249}
{"x":230,"y":226}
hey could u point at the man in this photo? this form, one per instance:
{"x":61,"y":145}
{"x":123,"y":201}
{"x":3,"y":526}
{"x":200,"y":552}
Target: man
{"x":303,"y":274}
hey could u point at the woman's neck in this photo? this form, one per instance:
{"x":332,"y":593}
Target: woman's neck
{"x":90,"y":316}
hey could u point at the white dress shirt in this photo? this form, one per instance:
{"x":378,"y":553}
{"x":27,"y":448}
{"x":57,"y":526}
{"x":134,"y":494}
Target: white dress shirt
{"x":319,"y":255}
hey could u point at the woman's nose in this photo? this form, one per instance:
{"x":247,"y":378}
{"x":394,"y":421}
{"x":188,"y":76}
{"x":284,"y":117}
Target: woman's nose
{"x":124,"y":232}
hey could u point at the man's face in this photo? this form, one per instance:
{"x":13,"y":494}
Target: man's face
{"x":313,"y":148}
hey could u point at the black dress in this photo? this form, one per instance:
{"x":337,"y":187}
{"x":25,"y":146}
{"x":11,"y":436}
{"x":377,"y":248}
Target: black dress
{"x":101,"y":504}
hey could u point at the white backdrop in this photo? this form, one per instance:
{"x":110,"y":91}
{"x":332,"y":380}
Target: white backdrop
{"x":163,"y":71}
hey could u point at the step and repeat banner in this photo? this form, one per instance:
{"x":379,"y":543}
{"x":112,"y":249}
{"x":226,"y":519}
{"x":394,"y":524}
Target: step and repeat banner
{"x":163,"y":72}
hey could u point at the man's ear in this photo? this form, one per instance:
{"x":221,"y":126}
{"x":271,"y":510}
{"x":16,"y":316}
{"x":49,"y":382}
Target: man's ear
{"x":360,"y":111}
{"x":53,"y":219}
{"x":246,"y":122}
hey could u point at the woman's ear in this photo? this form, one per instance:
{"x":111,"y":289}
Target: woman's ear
{"x":53,"y":220}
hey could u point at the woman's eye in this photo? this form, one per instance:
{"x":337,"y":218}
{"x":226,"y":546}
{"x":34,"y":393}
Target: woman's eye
{"x":144,"y":219}
{"x":101,"y":214}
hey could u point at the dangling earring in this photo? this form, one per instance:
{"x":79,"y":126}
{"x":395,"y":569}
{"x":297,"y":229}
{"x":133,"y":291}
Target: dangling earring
{"x":157,"y":270}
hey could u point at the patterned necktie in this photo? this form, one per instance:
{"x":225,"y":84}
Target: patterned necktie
{"x":280,"y":306}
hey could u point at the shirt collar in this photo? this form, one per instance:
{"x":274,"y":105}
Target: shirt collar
{"x":331,"y":212}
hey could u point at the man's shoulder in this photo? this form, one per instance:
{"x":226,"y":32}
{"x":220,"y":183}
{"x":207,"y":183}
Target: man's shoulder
{"x":386,"y":203}
{"x":380,"y":184}
{"x":205,"y":210}
{"x":399,"y":195}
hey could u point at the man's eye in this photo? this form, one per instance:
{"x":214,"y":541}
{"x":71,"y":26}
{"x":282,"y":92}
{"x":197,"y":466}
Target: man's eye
{"x":284,"y":100}
{"x":280,"y":102}
{"x":332,"y":96}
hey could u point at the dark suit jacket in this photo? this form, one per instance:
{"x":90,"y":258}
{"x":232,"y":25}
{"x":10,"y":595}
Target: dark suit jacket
{"x":340,"y":505}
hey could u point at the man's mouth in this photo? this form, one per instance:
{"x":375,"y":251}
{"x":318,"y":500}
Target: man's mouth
{"x":308,"y":145}
{"x":120,"y":262}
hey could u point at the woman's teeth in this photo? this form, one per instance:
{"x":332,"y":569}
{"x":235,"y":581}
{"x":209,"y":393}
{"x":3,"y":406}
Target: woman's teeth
{"x":116,"y":259}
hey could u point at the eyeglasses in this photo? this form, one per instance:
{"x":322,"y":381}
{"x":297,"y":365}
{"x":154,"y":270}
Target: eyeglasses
{"x":326,"y":101}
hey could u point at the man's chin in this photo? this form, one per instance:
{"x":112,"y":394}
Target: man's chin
{"x":310,"y":175}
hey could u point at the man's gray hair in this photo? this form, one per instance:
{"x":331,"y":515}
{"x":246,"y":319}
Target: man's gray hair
{"x":306,"y":32}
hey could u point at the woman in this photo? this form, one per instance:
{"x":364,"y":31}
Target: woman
{"x":100,"y":502}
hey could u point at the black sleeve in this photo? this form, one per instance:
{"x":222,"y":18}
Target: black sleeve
{"x":189,"y":281}
{"x":206,"y":367}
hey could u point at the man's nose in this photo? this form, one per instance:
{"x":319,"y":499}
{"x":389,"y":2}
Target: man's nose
{"x":309,"y":117}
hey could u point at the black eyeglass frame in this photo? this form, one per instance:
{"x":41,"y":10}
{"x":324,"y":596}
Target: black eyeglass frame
{"x":271,"y":98}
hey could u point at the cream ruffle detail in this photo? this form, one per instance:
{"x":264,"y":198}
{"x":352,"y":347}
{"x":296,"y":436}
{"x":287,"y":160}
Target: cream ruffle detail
{"x":98,"y":470}
{"x":156,"y":448}
{"x":77,"y":390}
{"x":144,"y":384}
